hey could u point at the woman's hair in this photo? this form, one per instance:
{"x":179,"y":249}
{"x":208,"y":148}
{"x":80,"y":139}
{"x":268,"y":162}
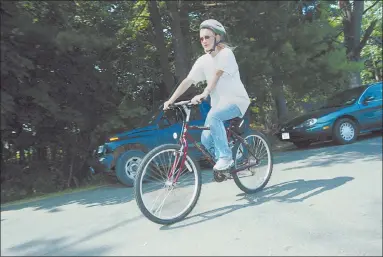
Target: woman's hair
{"x":226,"y":42}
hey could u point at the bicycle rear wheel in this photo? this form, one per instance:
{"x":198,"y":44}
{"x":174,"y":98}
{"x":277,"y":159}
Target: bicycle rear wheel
{"x":158,"y":194}
{"x":255,"y":178}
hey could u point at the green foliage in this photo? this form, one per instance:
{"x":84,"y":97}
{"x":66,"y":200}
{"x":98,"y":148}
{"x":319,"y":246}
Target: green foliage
{"x":372,"y":53}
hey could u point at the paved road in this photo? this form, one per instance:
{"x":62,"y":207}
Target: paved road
{"x":323,"y":201}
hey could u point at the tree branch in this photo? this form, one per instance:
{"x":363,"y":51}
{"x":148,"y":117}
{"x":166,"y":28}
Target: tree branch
{"x":377,"y":40}
{"x":139,"y":15}
{"x":371,"y":6}
{"x":2,"y":10}
{"x":366,"y":36}
{"x":345,"y":8}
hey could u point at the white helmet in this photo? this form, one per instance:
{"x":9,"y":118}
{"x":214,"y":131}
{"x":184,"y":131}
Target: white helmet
{"x":214,"y":25}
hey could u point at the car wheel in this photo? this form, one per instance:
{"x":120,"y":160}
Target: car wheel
{"x":127,"y":165}
{"x":345,"y":131}
{"x":302,"y":144}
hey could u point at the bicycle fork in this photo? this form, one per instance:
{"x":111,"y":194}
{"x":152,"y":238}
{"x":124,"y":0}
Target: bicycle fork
{"x":178,"y":162}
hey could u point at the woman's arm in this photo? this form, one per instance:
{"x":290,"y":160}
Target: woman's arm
{"x":185,"y":84}
{"x":213,"y":83}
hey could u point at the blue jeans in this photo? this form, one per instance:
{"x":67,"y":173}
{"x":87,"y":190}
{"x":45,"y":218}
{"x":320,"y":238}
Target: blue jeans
{"x":215,"y":139}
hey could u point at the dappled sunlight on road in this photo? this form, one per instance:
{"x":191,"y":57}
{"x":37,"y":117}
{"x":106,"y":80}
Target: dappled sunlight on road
{"x":288,"y":192}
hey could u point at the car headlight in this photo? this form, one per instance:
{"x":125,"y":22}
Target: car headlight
{"x":100,"y":149}
{"x":310,"y":122}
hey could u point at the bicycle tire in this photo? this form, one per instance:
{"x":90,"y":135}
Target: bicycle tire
{"x":139,"y":180}
{"x":237,"y":180}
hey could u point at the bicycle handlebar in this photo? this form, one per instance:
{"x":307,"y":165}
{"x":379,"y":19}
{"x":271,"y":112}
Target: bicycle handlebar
{"x":181,"y":103}
{"x":187,"y":102}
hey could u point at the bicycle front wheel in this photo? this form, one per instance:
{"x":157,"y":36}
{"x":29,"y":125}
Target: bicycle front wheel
{"x":165,"y":192}
{"x":257,"y":151}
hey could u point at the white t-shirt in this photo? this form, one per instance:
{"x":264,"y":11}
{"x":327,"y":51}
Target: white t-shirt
{"x":229,"y":88}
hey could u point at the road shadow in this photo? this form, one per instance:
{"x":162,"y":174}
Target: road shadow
{"x":294,"y":191}
{"x":108,"y":195}
{"x":66,"y":246}
{"x":367,"y":148}
{"x":52,"y":247}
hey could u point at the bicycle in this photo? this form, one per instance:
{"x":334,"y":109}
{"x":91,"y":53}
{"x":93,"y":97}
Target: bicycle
{"x":179,"y":164}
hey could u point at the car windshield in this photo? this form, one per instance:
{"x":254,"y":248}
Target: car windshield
{"x":344,"y":98}
{"x":149,"y":118}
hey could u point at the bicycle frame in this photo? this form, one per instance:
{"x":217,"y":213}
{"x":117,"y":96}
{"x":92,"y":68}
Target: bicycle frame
{"x":185,"y":136}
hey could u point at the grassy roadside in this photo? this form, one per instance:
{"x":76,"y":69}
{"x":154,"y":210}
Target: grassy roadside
{"x":49,"y":195}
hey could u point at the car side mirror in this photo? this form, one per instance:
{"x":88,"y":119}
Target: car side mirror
{"x":368,"y":99}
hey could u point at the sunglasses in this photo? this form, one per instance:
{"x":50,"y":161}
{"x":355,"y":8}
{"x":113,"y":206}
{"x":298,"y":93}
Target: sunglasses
{"x":205,"y":37}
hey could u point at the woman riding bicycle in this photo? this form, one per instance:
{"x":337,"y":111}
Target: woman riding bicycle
{"x":229,"y":98}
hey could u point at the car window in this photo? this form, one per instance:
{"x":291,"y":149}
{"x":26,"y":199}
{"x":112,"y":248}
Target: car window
{"x":374,"y":91}
{"x":346,"y":97}
{"x":172,"y":117}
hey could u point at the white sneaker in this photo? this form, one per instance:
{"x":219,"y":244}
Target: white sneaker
{"x":223,"y":164}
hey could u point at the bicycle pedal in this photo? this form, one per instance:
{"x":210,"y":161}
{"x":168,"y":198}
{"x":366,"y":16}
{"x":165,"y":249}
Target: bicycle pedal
{"x":220,"y":176}
{"x":229,"y":176}
{"x":226,"y":173}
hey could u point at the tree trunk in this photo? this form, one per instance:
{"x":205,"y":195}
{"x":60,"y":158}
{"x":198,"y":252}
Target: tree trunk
{"x":355,"y":79}
{"x":181,"y":67}
{"x":159,"y":41}
{"x":54,"y":153}
{"x":279,"y":98}
{"x":352,"y":27}
{"x":356,"y":24}
{"x":71,"y":169}
{"x":185,"y":27}
{"x":356,"y":28}
{"x":22,"y":155}
{"x":377,"y":72}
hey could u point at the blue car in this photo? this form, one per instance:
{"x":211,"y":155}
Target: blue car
{"x":123,"y":152}
{"x":344,"y":116}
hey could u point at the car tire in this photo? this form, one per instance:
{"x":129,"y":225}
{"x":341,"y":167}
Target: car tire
{"x":127,"y":165}
{"x":302,"y":144}
{"x":345,"y":131}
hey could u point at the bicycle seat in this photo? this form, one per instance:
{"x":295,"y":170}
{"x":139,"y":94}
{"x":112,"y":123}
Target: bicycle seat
{"x":236,"y":120}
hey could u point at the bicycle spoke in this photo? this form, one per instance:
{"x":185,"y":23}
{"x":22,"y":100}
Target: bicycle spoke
{"x":255,"y":176}
{"x":155,"y":200}
{"x":159,"y":171}
{"x":159,"y":209}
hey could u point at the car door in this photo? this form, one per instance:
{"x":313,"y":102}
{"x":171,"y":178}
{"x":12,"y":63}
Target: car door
{"x":371,"y":107}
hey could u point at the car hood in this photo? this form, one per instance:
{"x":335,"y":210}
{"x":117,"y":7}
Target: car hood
{"x":137,"y":131}
{"x":313,"y":114}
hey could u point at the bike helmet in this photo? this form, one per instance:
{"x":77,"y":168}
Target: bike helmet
{"x":216,"y":27}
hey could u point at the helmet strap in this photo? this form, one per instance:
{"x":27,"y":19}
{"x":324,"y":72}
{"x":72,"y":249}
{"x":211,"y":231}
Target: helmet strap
{"x":215,"y":45}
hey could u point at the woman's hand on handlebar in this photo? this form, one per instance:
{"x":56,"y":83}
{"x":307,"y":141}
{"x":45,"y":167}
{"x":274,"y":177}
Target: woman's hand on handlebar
{"x":167,"y":103}
{"x":198,"y":98}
